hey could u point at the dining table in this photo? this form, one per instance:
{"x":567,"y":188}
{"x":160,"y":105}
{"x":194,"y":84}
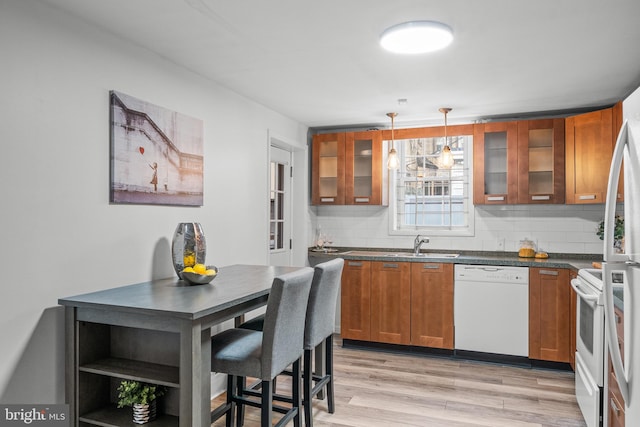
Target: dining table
{"x":155,"y":332}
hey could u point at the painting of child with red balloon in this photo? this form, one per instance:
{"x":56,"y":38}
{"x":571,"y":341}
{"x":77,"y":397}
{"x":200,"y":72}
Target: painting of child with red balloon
{"x":156,"y":154}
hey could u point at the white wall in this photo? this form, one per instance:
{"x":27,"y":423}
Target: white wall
{"x":557,"y":229}
{"x":60,"y":235}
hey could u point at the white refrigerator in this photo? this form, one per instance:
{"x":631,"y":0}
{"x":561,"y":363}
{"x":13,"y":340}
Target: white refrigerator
{"x":622,"y":270}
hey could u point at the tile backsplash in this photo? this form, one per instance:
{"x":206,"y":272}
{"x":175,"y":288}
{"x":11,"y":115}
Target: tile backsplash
{"x":555,"y":228}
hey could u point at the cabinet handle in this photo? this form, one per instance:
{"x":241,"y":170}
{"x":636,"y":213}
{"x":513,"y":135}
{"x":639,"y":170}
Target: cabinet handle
{"x":587,"y":197}
{"x":614,"y":407}
{"x":495,"y":198}
{"x":389,"y":265}
{"x":549,"y":272}
{"x":327,"y":199}
{"x":355,"y":264}
{"x":362,"y":200}
{"x":618,"y":319}
{"x":431,"y":266}
{"x":540,"y":197}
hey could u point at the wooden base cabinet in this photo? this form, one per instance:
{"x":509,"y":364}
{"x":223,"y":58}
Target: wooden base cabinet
{"x":432,"y":305}
{"x":391,"y":302}
{"x":549,"y":314}
{"x":355,"y":301}
{"x":398,"y":303}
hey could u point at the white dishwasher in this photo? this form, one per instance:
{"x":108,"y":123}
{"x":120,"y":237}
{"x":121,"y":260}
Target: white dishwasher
{"x":491,"y":309}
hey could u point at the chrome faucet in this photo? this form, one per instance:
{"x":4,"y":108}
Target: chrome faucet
{"x":418,"y":242}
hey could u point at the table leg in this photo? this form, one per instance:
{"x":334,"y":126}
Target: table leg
{"x":195,"y":375}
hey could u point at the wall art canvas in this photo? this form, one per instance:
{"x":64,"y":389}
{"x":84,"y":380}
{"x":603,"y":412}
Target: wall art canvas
{"x":156,"y":154}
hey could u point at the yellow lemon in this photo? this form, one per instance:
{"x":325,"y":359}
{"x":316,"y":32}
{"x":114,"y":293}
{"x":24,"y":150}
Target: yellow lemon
{"x":189,"y":260}
{"x":210,"y":272}
{"x":188,"y":270}
{"x":200,"y":268}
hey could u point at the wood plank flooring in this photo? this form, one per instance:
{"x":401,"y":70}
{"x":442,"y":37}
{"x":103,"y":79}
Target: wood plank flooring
{"x":380,"y":389}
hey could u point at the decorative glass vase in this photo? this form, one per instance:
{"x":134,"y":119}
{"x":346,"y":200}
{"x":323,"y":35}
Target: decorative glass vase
{"x":188,"y":246}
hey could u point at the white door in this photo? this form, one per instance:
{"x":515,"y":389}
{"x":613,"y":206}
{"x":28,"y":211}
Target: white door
{"x":280,"y":207}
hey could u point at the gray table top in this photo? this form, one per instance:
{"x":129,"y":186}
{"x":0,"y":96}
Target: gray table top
{"x":233,"y":285}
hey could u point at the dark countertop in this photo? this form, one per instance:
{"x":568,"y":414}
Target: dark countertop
{"x":571,"y":261}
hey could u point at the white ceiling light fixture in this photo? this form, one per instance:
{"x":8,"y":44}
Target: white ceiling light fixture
{"x":416,"y":37}
{"x":393,"y":162}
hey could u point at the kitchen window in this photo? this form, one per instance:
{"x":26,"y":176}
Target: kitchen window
{"x":428,"y":197}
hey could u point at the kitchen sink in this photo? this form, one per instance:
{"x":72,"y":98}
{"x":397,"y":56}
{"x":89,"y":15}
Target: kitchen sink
{"x":402,"y":254}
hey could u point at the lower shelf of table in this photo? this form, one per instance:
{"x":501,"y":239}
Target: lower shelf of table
{"x":112,"y":416}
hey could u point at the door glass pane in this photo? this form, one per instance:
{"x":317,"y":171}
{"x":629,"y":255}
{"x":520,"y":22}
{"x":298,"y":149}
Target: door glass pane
{"x":276,"y":208}
{"x":540,"y":161}
{"x":495,"y":163}
{"x":362,"y":168}
{"x":328,"y":172}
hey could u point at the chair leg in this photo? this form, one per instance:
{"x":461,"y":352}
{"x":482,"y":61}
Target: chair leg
{"x":231,"y":389}
{"x":296,"y":395}
{"x":329,"y":372}
{"x":308,"y":388}
{"x":266,"y":411}
{"x":240,"y":410}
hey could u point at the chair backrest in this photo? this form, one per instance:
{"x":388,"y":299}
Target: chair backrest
{"x":323,"y":299}
{"x":283,"y":331}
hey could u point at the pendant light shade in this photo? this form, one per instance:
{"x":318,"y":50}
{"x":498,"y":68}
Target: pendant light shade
{"x":393,"y":162}
{"x":446,"y":157}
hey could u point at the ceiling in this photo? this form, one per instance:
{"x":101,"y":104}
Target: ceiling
{"x":320,"y":63}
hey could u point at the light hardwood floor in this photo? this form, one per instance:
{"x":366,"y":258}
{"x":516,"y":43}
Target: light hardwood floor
{"x":380,"y":389}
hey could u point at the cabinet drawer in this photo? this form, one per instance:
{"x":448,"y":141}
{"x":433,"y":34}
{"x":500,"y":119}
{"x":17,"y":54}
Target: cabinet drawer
{"x":615,"y":408}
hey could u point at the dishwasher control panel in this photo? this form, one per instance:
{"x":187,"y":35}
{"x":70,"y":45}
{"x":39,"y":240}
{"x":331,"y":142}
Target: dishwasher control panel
{"x":488,"y":273}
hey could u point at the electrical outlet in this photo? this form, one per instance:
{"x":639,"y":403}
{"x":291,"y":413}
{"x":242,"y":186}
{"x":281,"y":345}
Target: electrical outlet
{"x":500,"y":244}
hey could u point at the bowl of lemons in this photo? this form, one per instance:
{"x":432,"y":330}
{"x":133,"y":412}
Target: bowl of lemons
{"x":199,"y":274}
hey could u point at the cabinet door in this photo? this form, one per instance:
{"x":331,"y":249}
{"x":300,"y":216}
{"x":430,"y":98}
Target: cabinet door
{"x":573,"y":318}
{"x":355,"y":300}
{"x":327,"y":181}
{"x":391,"y":302}
{"x":495,"y":163}
{"x":363,"y":168}
{"x":590,"y":139}
{"x":541,"y":161}
{"x":615,"y":409}
{"x":432,"y":305}
{"x":549,"y":312}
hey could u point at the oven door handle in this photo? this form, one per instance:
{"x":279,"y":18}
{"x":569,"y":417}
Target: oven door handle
{"x":575,"y":284}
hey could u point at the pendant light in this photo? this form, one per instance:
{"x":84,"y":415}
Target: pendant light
{"x":392,"y":160}
{"x":446,"y":158}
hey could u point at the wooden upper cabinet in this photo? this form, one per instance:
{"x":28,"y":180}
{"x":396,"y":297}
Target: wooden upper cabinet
{"x":327,"y":183}
{"x":363,"y":168}
{"x":590,"y":139}
{"x":346,"y":169}
{"x":432,"y":305}
{"x":549,"y":314}
{"x":495,"y":163}
{"x":541,"y":163}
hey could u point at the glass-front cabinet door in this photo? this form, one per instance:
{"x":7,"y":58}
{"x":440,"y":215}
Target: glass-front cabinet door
{"x":363,"y":168}
{"x":495,"y":163}
{"x":328,"y":169}
{"x":541,"y":158}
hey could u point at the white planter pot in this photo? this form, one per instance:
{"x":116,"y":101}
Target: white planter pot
{"x":143,"y":414}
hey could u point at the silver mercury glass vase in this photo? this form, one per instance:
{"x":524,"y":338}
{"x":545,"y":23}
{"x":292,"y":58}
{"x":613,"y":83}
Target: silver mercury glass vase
{"x":188,"y":246}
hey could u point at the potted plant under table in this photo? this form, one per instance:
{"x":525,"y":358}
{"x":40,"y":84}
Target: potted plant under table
{"x":141,"y":397}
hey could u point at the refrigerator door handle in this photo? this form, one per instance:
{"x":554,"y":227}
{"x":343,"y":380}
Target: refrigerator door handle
{"x":612,"y":333}
{"x":612,"y":195}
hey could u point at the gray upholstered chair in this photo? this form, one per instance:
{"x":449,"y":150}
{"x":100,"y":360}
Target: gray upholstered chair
{"x":264,"y":354}
{"x":319,"y":326}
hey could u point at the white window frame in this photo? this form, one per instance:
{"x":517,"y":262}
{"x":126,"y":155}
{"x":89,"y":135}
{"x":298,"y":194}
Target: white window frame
{"x":469,"y":230}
